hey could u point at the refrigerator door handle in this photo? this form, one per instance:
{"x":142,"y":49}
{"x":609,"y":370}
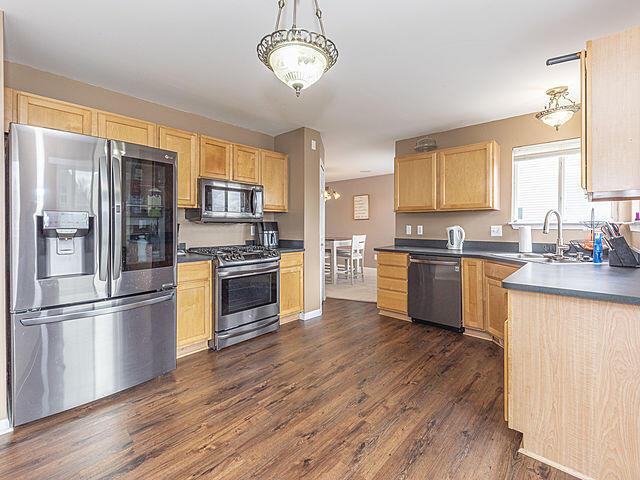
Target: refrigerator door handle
{"x":104,"y":218}
{"x":116,"y":165}
{"x":120,"y":306}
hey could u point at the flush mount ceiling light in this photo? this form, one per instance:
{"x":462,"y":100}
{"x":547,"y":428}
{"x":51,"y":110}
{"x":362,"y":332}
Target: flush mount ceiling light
{"x":298,"y":57}
{"x":557,"y":114}
{"x":330,"y":193}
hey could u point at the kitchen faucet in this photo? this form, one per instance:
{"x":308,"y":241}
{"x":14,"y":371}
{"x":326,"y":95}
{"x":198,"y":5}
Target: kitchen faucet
{"x":560,"y":246}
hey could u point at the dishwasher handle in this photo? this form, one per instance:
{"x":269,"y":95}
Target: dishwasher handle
{"x":434,"y":262}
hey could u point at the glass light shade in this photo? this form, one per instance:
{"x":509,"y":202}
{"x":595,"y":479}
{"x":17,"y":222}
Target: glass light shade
{"x":299,"y":65}
{"x":557,"y":118}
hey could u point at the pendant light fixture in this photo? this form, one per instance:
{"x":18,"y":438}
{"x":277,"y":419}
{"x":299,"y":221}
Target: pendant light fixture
{"x":298,"y":57}
{"x":560,"y":109}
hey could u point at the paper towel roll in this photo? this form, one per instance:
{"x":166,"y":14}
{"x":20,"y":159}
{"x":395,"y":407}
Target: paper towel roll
{"x":524,"y":237}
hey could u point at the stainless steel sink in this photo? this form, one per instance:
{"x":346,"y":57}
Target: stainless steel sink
{"x":540,"y":258}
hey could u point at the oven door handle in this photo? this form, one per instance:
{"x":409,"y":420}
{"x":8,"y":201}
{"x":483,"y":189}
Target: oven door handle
{"x":249,"y":273}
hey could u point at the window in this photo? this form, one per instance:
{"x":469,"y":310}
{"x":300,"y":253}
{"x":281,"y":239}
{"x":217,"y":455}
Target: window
{"x":547,"y":177}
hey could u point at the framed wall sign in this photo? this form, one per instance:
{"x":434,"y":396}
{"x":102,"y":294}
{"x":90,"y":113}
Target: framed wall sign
{"x":361,"y":207}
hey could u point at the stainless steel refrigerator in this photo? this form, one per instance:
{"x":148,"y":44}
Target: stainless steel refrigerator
{"x":92,"y":233}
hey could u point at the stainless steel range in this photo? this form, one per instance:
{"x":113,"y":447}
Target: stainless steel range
{"x":246,"y":290}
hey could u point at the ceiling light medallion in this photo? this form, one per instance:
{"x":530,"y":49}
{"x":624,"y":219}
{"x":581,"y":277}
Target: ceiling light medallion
{"x":557,"y":114}
{"x":298,"y":57}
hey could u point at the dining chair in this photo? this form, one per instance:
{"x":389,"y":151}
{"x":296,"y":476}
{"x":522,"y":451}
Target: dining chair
{"x":353,"y":258}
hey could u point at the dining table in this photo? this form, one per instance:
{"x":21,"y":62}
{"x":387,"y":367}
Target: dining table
{"x":331,"y":245}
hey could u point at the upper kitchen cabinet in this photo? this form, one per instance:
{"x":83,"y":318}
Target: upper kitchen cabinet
{"x":215,"y":158}
{"x":468,"y":177}
{"x":275,"y":179}
{"x":8,"y":108}
{"x":246,"y":164}
{"x":611,"y":116}
{"x":415,"y":183}
{"x":186,"y":145}
{"x":44,"y":112}
{"x":126,"y":129}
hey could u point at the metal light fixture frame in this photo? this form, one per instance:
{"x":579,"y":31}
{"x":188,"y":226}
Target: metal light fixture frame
{"x":281,"y":37}
{"x":557,"y":94}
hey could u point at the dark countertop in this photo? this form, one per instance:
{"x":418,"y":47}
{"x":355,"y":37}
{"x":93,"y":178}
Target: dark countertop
{"x":291,"y":250}
{"x":597,"y":282}
{"x":194,"y":257}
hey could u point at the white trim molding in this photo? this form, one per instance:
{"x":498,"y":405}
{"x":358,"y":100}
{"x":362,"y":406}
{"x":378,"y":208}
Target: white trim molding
{"x":5,"y":426}
{"x":311,"y":314}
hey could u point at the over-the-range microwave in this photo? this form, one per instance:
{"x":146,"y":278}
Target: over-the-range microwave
{"x":229,"y":202}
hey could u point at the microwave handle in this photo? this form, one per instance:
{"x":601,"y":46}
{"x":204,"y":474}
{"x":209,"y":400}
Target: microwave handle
{"x":254,"y":201}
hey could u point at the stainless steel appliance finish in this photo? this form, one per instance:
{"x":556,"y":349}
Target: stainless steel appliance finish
{"x":246,"y":292}
{"x":92,"y":229}
{"x":229,"y":202}
{"x":267,"y":234}
{"x":435,"y":293}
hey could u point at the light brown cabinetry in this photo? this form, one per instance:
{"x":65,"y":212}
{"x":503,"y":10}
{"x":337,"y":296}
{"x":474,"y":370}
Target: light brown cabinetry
{"x":186,"y":146}
{"x":611,"y":117}
{"x":194,"y":318}
{"x":45,"y":112}
{"x":452,"y":179}
{"x":468,"y":177}
{"x":8,"y":107}
{"x":274,"y":169}
{"x":291,"y":285}
{"x":126,"y":129}
{"x":496,"y":303}
{"x":215,"y":158}
{"x":472,"y":293}
{"x":393,"y":270}
{"x":415,"y":183}
{"x":246,"y":164}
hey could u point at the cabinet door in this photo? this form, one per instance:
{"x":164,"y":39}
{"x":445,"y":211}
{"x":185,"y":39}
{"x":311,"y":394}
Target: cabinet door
{"x":496,"y":305}
{"x":612,"y":118}
{"x":246,"y":164}
{"x":468,"y":177}
{"x":472,"y":293}
{"x":415,"y":183}
{"x":194,"y":320}
{"x":8,"y":107}
{"x":48,"y":113}
{"x":291,"y":290}
{"x":275,"y":178}
{"x":507,"y":366}
{"x":186,"y":145}
{"x":215,"y":158}
{"x":126,"y":129}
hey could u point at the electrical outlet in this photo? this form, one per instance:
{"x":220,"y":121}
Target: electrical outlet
{"x":420,"y":230}
{"x":496,"y":230}
{"x":407,"y":229}
{"x":314,"y":146}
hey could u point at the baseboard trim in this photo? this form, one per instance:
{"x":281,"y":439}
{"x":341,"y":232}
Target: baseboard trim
{"x":397,"y":316}
{"x":5,"y":426}
{"x":311,"y":314}
{"x":193,"y":348}
{"x":555,"y":465}
{"x":289,"y":318}
{"x":478,"y":334}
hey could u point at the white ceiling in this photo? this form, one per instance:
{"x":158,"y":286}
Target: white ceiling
{"x":406,"y":67}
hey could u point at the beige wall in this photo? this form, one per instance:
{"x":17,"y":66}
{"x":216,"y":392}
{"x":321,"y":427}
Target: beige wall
{"x":379,"y":229}
{"x":509,"y":133}
{"x":291,"y":224}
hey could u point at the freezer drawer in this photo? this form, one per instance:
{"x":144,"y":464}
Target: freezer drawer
{"x":71,"y":356}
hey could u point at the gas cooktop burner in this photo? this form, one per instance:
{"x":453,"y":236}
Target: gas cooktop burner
{"x":238,"y":255}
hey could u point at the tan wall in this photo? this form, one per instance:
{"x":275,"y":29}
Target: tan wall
{"x":31,"y":80}
{"x":291,"y":224}
{"x":509,"y":133}
{"x":379,"y":229}
{"x":3,"y":288}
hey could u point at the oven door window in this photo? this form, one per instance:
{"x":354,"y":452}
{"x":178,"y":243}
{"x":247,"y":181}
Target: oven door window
{"x":246,"y":293}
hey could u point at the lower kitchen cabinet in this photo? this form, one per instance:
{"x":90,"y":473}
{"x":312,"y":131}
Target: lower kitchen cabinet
{"x":472,"y":293}
{"x":496,"y":304}
{"x":291,"y":285}
{"x":393,"y":270}
{"x":195,"y":321}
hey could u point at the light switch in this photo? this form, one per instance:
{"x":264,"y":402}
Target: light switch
{"x":407,"y":229}
{"x":253,"y":230}
{"x":314,"y":146}
{"x":496,"y":230}
{"x":420,"y":230}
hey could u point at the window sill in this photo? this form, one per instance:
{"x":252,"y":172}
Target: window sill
{"x":539,"y":226}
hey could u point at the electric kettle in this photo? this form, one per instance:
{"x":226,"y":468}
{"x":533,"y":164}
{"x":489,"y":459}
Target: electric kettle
{"x":455,"y":237}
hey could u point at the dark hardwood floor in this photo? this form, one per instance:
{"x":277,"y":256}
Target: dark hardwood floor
{"x":351,"y":395}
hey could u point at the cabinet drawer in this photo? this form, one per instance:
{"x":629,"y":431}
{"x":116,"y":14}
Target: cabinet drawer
{"x":393,"y":259}
{"x":389,"y":271}
{"x":392,"y":284}
{"x":498,"y":270}
{"x":394,"y":301}
{"x":188,"y":272}
{"x":291,"y":259}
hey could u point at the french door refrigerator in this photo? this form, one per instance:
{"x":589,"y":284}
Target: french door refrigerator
{"x":92,"y":233}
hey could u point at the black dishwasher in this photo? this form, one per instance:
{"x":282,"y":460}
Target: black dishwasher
{"x":435,"y":292}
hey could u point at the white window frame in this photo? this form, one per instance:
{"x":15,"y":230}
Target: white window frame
{"x":515,"y":223}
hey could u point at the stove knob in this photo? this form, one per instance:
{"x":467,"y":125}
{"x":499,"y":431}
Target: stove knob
{"x":227,"y":257}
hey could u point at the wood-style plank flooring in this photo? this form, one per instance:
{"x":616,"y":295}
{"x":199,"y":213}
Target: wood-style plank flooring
{"x":351,"y":395}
